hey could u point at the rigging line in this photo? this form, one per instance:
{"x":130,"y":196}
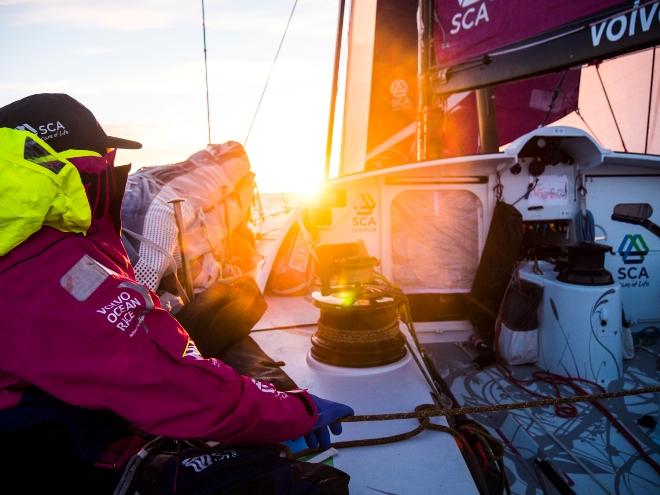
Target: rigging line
{"x":648,"y":113}
{"x":260,"y":207}
{"x":206,"y":74}
{"x":435,"y":393}
{"x":270,"y":72}
{"x":554,"y":98}
{"x":577,"y":112}
{"x":616,"y":123}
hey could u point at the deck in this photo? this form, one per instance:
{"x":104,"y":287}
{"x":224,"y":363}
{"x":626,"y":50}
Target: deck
{"x":587,"y":451}
{"x":429,"y":463}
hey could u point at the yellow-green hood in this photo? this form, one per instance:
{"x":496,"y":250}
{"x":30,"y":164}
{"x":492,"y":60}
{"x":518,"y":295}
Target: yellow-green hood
{"x":38,"y":187}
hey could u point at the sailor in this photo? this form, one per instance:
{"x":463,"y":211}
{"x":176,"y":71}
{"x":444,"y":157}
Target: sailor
{"x":79,"y":335}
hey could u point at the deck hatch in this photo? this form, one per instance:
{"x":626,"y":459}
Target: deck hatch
{"x":434,"y":239}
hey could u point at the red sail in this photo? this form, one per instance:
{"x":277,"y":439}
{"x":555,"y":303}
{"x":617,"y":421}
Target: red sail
{"x":469,"y":28}
{"x":520,"y":106}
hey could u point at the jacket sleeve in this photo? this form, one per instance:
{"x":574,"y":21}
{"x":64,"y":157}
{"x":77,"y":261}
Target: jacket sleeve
{"x":95,"y":338}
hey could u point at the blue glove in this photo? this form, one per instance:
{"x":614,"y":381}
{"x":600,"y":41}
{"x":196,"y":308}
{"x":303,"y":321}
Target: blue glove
{"x":330,"y":414}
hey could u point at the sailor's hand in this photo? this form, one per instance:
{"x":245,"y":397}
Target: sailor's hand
{"x":330,"y":414}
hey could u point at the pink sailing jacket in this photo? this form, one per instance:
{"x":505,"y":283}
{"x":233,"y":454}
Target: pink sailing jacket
{"x":77,"y":325}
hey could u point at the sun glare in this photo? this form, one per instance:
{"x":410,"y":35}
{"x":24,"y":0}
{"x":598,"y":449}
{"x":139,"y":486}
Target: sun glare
{"x":295,"y":178}
{"x":312,"y":189}
{"x":297,"y":168}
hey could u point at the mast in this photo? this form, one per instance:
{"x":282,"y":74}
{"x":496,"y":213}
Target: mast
{"x":424,"y":62}
{"x":487,"y":119}
{"x":335,"y":78}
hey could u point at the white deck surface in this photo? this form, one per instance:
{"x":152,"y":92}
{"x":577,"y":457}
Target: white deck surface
{"x":429,"y":463}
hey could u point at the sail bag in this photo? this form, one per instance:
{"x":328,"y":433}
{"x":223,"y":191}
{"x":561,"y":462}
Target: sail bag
{"x":217,"y":186}
{"x":495,"y":267}
{"x":517,"y":326}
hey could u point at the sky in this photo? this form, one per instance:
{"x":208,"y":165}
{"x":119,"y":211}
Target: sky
{"x":138,"y":65}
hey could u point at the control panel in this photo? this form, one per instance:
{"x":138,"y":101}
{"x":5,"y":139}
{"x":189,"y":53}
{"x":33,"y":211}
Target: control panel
{"x":543,"y":238}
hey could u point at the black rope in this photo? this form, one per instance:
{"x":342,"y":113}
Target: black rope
{"x":498,"y":188}
{"x":648,"y":113}
{"x":270,"y":72}
{"x":424,"y":424}
{"x":554,"y":98}
{"x":427,"y":412}
{"x":577,"y":112}
{"x":293,"y":326}
{"x":424,"y":412}
{"x":530,"y":187}
{"x":616,"y":123}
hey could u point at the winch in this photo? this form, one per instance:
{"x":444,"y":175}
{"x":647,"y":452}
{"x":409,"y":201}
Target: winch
{"x":359,"y":317}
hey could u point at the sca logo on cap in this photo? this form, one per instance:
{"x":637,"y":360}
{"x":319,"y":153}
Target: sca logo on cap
{"x":27,"y":127}
{"x":46,"y":131}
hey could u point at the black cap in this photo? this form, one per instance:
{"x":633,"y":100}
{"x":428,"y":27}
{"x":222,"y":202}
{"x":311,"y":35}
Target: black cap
{"x":63,"y":122}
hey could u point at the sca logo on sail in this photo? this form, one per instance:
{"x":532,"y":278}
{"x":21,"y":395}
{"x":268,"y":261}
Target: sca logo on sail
{"x":471,"y":16}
